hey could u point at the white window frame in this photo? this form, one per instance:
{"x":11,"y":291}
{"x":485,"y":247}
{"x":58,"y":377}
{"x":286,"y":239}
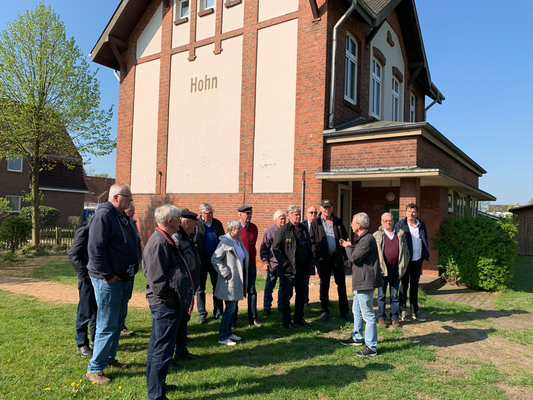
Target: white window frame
{"x":473,"y":207}
{"x":395,"y":94}
{"x":350,"y":70}
{"x":461,"y":204}
{"x":13,"y":168}
{"x":180,"y":9}
{"x":450,"y":200}
{"x":412,"y":108}
{"x":14,"y":199}
{"x":376,"y":88}
{"x":206,"y":4}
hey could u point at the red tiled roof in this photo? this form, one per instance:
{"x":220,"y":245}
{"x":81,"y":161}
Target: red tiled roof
{"x":96,"y":186}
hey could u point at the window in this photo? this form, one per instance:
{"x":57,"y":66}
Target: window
{"x":208,"y":4}
{"x":461,"y":205}
{"x":473,"y":207}
{"x":412,"y":105}
{"x":375,"y":101}
{"x":14,"y":164}
{"x":450,"y":200}
{"x":183,"y":9}
{"x":395,"y":99}
{"x":350,"y":70}
{"x":13,"y":203}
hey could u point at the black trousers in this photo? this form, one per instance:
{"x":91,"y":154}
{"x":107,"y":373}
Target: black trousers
{"x":326,"y":269}
{"x":86,"y":313}
{"x":409,"y":281}
{"x":299,"y":283}
{"x":207,"y":268}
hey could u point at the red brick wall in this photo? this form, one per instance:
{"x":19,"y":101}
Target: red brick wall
{"x":14,"y":183}
{"x":68,"y":204}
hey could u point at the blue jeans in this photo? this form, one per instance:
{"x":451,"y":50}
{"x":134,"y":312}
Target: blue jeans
{"x":112,"y":300}
{"x":270,"y":284}
{"x":363,"y":311}
{"x":165,"y":323}
{"x":86,"y":312}
{"x":181,"y":337}
{"x":392,"y":280}
{"x":224,"y":331}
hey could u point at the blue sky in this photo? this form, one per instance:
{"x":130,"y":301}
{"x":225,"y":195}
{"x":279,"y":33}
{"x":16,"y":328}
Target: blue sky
{"x":480,"y":55}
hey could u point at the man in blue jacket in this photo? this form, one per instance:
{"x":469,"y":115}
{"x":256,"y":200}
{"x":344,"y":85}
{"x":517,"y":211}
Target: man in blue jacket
{"x":113,"y":262}
{"x":417,"y":242}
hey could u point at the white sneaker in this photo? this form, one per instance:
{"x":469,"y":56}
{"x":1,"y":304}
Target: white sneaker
{"x":227,"y":342}
{"x":234,"y":337}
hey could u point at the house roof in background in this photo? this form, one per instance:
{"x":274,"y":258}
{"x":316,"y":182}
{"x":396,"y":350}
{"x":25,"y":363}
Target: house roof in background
{"x":97,"y":186}
{"x":62,"y":178}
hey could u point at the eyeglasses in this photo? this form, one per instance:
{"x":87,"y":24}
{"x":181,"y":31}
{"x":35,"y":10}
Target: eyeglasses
{"x":312,"y":212}
{"x":207,"y":213}
{"x":126,"y":195}
{"x":387,"y":220}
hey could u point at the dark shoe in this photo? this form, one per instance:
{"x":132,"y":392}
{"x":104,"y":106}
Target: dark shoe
{"x":306,"y":304}
{"x":201,"y":320}
{"x":324,"y":316}
{"x":257,"y":323}
{"x":303,"y":322}
{"x":126,"y":332}
{"x":404,"y":317}
{"x":395,"y":323}
{"x":288,"y":325}
{"x":97,"y":377}
{"x":175,"y":365}
{"x":382,"y":323}
{"x":348,"y":318}
{"x":84,"y":351}
{"x":417,"y":316}
{"x":189,"y":339}
{"x":117,"y":364}
{"x":366,"y":352}
{"x":186,"y":356}
{"x":219,"y":317}
{"x":170,"y":388}
{"x":265,"y":313}
{"x":351,"y":342}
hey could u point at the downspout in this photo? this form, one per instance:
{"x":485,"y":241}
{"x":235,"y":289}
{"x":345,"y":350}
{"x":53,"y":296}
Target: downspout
{"x":333,"y":51}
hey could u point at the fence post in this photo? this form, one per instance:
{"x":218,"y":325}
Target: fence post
{"x":58,"y":235}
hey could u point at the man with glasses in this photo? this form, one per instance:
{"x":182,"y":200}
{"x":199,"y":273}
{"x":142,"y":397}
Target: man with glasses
{"x":113,"y":262}
{"x":310,"y":216}
{"x":207,"y":233}
{"x":393,"y":259}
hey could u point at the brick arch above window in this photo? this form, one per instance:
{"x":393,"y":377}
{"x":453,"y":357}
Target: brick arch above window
{"x":379,"y":56}
{"x":398,"y":74}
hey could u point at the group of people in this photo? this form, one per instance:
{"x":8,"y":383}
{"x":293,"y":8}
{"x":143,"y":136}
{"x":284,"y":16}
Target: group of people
{"x":185,"y":248}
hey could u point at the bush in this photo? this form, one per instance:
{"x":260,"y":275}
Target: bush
{"x":49,"y":215}
{"x":15,"y":230}
{"x":477,"y":252}
{"x":74,"y":222}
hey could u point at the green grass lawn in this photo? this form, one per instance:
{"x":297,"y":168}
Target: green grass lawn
{"x":38,"y":359}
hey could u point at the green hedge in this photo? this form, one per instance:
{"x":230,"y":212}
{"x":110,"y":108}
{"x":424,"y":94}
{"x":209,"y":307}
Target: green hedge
{"x":49,"y":215}
{"x":477,"y":252}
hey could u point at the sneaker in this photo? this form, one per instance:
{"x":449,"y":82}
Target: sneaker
{"x":404,"y":316}
{"x":84,"y":351}
{"x":382,"y":323}
{"x":97,"y":377}
{"x":351,"y":342}
{"x":417,"y":316}
{"x":117,"y":364}
{"x":126,"y":332}
{"x":324,"y":316}
{"x":227,"y":342}
{"x":395,"y":323}
{"x":366,"y":352}
{"x":235,"y":338}
{"x":257,"y":323}
{"x":201,"y":320}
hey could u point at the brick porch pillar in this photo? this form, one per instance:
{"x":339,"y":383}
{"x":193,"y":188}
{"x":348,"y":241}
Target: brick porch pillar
{"x":409,"y":192}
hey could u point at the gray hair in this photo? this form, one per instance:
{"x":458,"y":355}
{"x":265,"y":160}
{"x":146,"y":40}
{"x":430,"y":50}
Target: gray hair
{"x":116,"y":188}
{"x":166,"y":211}
{"x":362,"y":219}
{"x":278,"y":214}
{"x":232,"y":224}
{"x":205,"y":206}
{"x":293,"y":208}
{"x":385,"y":214}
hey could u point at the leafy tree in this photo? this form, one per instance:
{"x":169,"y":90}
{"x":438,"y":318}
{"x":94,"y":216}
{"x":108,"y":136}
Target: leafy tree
{"x":4,"y":207}
{"x":530,"y":202}
{"x":48,"y":216}
{"x":49,"y":99}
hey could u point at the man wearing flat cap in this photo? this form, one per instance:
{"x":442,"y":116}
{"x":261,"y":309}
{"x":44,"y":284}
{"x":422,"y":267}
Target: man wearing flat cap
{"x":326,"y":231}
{"x":249,"y":239}
{"x":184,"y":239}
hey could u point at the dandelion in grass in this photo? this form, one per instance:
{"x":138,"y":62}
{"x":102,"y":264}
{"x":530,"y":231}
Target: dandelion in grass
{"x":120,"y":387}
{"x":74,"y":390}
{"x":46,"y":388}
{"x":73,"y":383}
{"x":22,"y":352}
{"x":94,"y":383}
{"x":81,"y":380}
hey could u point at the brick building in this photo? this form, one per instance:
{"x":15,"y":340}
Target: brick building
{"x":242,"y":102}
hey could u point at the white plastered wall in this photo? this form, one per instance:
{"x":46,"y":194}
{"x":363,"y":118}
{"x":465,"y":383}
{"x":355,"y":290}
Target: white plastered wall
{"x":145,"y":117}
{"x":149,"y":41}
{"x":205,"y":26}
{"x":233,"y":17}
{"x":394,"y":58}
{"x":275,"y":8}
{"x":204,"y":126}
{"x":275,"y":108}
{"x":181,"y":32}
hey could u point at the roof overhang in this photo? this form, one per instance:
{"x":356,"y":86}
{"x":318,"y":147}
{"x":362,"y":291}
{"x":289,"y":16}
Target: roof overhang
{"x":373,"y":177}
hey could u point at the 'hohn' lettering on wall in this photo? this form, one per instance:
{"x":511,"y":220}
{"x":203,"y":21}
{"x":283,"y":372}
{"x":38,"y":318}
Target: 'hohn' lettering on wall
{"x":203,"y":84}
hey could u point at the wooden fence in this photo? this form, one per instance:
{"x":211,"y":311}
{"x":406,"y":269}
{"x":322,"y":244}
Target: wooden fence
{"x":48,"y":236}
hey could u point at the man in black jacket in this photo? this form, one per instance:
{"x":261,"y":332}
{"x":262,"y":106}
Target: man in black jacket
{"x":87,"y":304}
{"x":206,"y":238}
{"x":326,"y":232}
{"x":417,"y":242}
{"x":292,"y":249}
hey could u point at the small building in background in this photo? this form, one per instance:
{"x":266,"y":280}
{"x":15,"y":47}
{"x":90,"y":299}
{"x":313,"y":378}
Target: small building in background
{"x":524,"y":217}
{"x":98,"y":193}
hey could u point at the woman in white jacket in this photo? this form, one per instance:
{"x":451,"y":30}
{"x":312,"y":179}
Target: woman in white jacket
{"x":230,"y":260}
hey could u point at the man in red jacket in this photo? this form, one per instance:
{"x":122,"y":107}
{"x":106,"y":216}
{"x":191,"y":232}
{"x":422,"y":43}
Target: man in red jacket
{"x":249,"y":239}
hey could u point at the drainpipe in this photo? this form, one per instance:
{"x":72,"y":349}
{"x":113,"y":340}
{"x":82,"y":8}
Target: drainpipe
{"x":333,"y":51}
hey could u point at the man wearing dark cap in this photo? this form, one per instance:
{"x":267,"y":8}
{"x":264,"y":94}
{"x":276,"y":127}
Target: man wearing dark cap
{"x":326,"y":231}
{"x":183,"y":238}
{"x":249,"y":239}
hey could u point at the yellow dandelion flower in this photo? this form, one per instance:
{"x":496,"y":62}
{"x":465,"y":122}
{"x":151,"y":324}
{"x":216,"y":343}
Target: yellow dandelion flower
{"x":74,"y":390}
{"x":94,"y":383}
{"x":46,"y":388}
{"x":120,"y":387}
{"x":9,"y":359}
{"x":73,"y":383}
{"x":22,"y":351}
{"x":81,"y":380}
{"x":77,"y":384}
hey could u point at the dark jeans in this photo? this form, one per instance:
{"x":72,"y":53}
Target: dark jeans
{"x":326,"y":269}
{"x":251,"y":296}
{"x":299,"y":284}
{"x":207,"y":268}
{"x":410,"y":281}
{"x":86,"y":312}
{"x":392,"y":280}
{"x":181,"y":337}
{"x":224,"y":330}
{"x":165,"y":323}
{"x":270,"y":284}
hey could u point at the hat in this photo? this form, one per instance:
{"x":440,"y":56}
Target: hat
{"x":245,"y":209}
{"x":326,"y":203}
{"x":189,"y":215}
